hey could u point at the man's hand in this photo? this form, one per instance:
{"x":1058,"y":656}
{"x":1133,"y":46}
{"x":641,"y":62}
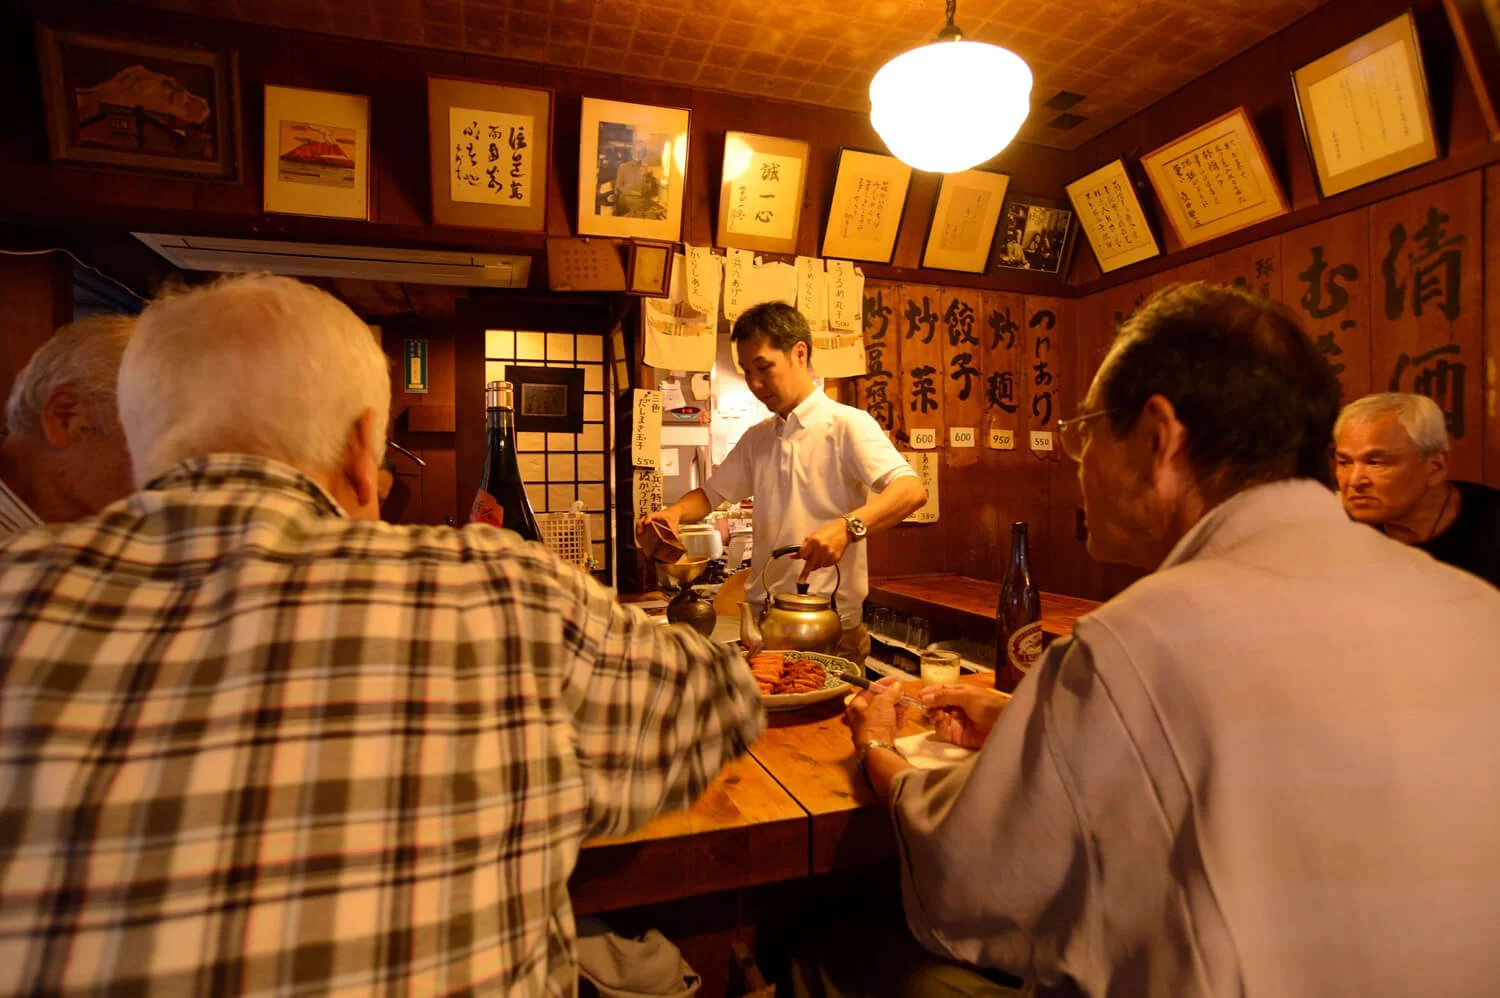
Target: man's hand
{"x":645,"y":539}
{"x":876,"y":713}
{"x":823,"y":548}
{"x":963,"y":715}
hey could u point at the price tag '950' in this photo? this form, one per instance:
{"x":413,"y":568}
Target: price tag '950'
{"x":960,"y":436}
{"x":923,"y":439}
{"x":1041,"y":439}
{"x":1002,"y":439}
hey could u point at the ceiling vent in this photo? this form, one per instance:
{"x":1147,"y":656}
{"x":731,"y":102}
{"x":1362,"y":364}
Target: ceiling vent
{"x":369,"y":263}
{"x":1062,"y":100}
{"x":1063,"y":122}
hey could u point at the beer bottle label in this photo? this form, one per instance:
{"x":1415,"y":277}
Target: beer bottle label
{"x":1025,"y":646}
{"x":487,"y":510}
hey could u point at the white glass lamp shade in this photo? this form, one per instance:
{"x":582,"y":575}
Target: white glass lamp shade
{"x":951,"y":105}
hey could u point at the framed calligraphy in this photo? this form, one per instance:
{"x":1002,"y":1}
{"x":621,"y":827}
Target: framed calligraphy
{"x":490,"y":148}
{"x":650,"y":271}
{"x":963,"y":221}
{"x":547,"y":399}
{"x":869,"y":198}
{"x":1216,"y":179}
{"x":1476,"y":25}
{"x":317,"y":153}
{"x":632,"y":169}
{"x":1365,"y":109}
{"x":1036,"y":233}
{"x":760,"y":198}
{"x":1112,"y":217}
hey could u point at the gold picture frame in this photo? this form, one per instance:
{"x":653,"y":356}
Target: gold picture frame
{"x":1366,"y":113}
{"x":965,"y":215}
{"x":1215,"y":180}
{"x":632,"y":170}
{"x":490,"y":147}
{"x":1112,"y":217}
{"x":650,"y":272}
{"x":1476,"y":26}
{"x":316,"y":158}
{"x":869,"y":198}
{"x":760,"y":193}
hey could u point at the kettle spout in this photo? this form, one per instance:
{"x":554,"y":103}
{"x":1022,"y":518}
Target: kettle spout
{"x":750,"y":635}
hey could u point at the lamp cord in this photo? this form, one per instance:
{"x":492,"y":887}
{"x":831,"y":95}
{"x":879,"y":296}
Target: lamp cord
{"x":952,"y":9}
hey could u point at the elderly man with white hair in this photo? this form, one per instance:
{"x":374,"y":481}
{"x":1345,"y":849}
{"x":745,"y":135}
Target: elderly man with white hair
{"x":1391,"y":457}
{"x":258,"y":742}
{"x":63,"y":453}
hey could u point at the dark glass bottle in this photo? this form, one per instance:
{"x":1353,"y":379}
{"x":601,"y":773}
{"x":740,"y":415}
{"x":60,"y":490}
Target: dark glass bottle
{"x":1018,"y":617}
{"x":501,"y":499}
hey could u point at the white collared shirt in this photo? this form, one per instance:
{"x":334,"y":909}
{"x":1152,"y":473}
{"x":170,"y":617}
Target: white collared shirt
{"x":805,"y":471}
{"x":15,"y":515}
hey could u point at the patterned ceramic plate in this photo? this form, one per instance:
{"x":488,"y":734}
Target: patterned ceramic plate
{"x":833,"y":683}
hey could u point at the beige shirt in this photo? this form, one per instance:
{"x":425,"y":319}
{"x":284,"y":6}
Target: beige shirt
{"x":805,"y":471}
{"x":1267,"y":769}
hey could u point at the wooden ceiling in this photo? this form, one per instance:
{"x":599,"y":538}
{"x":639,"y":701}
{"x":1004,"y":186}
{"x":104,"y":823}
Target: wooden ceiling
{"x":1120,"y":56}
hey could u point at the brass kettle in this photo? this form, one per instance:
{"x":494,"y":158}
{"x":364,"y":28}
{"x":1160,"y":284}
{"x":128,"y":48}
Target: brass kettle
{"x":797,"y":621}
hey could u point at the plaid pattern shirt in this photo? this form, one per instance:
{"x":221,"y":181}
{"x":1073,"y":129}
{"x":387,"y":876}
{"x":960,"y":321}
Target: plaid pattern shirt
{"x":250,"y":746}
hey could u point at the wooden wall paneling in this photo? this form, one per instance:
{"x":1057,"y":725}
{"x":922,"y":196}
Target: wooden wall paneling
{"x":1004,"y":352}
{"x":879,"y":390}
{"x":1426,"y":314}
{"x":922,"y":359}
{"x":1049,"y":363}
{"x":1255,"y":266}
{"x":1197,"y":270}
{"x":1491,"y":395}
{"x":1328,"y":285}
{"x":1099,"y":326}
{"x":38,"y":296}
{"x":961,"y":329}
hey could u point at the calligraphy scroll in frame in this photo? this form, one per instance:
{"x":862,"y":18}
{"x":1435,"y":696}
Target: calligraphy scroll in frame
{"x":760,"y":196}
{"x":869,"y":198}
{"x":509,"y":188}
{"x":1111,"y":215}
{"x":1215,"y":180}
{"x":1426,"y":307}
{"x":922,"y":375}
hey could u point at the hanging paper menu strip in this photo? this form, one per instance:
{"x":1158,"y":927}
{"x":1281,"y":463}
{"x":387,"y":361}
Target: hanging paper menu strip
{"x":705,"y":275}
{"x":645,"y":428}
{"x":812,"y":292}
{"x":846,"y":288}
{"x":925,"y":464}
{"x":677,"y":337}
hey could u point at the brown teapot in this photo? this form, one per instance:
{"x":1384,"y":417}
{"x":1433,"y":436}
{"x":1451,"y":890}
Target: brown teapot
{"x":797,"y":621}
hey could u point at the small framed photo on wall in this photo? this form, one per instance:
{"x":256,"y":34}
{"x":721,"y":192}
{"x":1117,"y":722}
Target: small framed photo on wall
{"x":317,"y":153}
{"x":1215,"y":180}
{"x":1037,"y":234}
{"x":964,"y":217}
{"x":649,"y":273}
{"x":1365,"y":109}
{"x":632,"y":168}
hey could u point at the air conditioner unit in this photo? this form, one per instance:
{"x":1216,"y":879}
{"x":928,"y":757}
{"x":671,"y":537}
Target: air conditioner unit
{"x":369,"y":263}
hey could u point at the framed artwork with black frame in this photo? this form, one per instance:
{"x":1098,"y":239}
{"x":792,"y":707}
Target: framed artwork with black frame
{"x":869,"y":199}
{"x":964,"y":216}
{"x":649,"y":273}
{"x":547,"y":399}
{"x":1036,"y":234}
{"x":1366,"y":113}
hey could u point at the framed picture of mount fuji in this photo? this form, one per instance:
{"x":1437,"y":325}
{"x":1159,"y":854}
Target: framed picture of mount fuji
{"x":317,"y":153}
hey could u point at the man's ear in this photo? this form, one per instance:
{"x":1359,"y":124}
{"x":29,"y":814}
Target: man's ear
{"x":63,"y":417}
{"x":1437,"y":467}
{"x":1168,"y":435}
{"x":360,"y":469}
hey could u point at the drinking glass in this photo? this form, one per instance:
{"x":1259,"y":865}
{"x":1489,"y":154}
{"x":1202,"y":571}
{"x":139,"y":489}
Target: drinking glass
{"x":917,"y":634}
{"x":882,"y":625}
{"x":939,"y":666}
{"x":898,"y":626}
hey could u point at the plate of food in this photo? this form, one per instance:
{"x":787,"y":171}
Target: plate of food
{"x":789,"y":680}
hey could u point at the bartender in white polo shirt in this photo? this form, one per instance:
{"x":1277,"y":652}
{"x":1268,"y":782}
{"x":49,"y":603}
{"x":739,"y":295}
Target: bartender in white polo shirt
{"x":823,"y":474}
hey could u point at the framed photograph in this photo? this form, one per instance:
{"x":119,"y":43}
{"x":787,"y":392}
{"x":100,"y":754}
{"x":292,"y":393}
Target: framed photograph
{"x":1476,"y":25}
{"x":1365,"y":109}
{"x":632,"y":166}
{"x":490,"y":148}
{"x":964,"y":217}
{"x":760,"y":197}
{"x":147,"y":108}
{"x":869,"y":198}
{"x":650,"y":271}
{"x":317,"y":153}
{"x":1215,"y":179}
{"x":1036,"y":233}
{"x":1112,"y":217}
{"x":548,"y":399}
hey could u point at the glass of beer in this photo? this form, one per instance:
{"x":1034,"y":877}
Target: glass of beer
{"x":939,"y":666}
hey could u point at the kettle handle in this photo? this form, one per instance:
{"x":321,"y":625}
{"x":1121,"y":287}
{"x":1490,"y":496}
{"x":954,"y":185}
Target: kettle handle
{"x":782,"y":552}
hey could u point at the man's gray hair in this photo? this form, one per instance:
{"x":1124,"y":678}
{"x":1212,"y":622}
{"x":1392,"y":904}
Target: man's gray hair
{"x":252,"y":364}
{"x":84,"y":356}
{"x":1418,"y":415}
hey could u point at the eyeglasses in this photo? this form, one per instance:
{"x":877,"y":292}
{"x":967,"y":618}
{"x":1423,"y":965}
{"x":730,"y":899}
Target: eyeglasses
{"x":1070,"y":432}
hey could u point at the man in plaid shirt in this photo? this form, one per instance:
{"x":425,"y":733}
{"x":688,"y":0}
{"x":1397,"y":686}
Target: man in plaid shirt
{"x":254,"y":741}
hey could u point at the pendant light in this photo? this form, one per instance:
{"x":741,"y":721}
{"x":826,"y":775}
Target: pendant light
{"x":950,"y":105}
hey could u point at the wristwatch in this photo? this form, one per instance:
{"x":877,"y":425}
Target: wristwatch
{"x":864,"y":750}
{"x":856,"y":526}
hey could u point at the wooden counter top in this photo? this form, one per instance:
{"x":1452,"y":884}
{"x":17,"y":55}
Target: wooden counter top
{"x":964,"y":602}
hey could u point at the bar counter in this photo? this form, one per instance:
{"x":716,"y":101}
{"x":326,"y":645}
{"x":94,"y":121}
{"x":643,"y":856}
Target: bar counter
{"x":968,"y":603}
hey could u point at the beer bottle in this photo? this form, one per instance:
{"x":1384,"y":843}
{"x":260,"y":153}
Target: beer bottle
{"x":1018,"y":617}
{"x":501,"y":497}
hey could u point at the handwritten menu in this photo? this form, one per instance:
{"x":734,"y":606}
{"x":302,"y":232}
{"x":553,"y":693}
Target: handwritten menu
{"x":868,"y":198}
{"x":1215,"y":179}
{"x":705,"y":276}
{"x":645,"y":485}
{"x":961,"y":318}
{"x":492,"y":161}
{"x":763,"y":197}
{"x":584,"y":265}
{"x":878,"y":389}
{"x":923,"y":366}
{"x":925,"y":464}
{"x":846,"y":289}
{"x":749,"y":281}
{"x":1112,"y":217}
{"x":812,"y":292}
{"x":645,"y":428}
{"x":677,"y":336}
{"x":1043,"y":366}
{"x":1004,"y":368}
